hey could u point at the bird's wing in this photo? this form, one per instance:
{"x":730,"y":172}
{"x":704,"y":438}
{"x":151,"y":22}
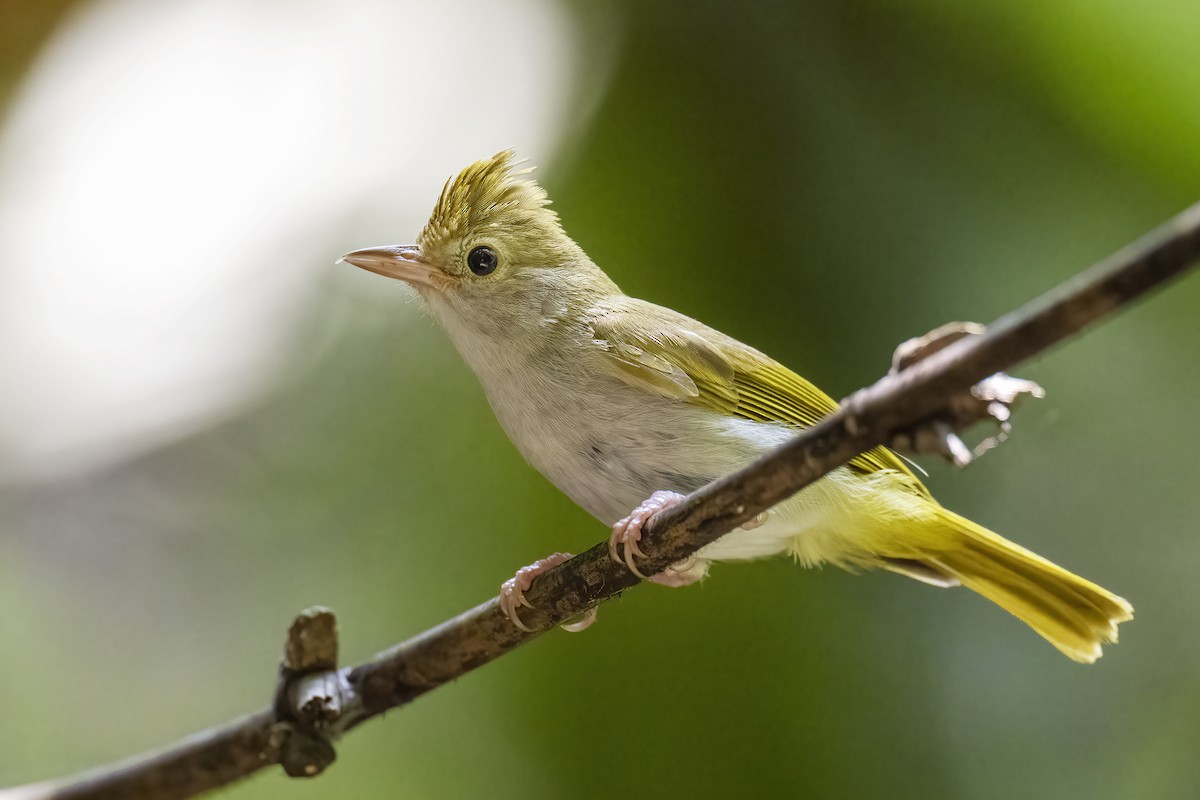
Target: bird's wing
{"x":654,"y":348}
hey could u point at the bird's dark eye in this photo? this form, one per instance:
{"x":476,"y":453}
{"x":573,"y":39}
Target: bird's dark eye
{"x":482,"y":260}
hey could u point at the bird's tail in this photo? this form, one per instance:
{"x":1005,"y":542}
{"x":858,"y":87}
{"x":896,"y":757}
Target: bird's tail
{"x":1073,"y":614}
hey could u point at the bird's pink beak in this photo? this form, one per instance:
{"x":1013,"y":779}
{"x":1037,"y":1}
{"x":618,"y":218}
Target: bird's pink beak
{"x":398,"y":261}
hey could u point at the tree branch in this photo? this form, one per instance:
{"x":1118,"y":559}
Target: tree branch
{"x":315,"y":703}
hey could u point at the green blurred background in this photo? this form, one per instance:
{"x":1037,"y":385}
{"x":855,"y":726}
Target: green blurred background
{"x":820,"y":179}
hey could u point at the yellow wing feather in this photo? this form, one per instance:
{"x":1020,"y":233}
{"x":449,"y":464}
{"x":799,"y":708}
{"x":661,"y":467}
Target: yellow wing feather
{"x":659,"y":349}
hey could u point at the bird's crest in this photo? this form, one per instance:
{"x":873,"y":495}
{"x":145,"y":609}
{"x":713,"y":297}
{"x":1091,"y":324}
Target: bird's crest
{"x":489,"y":193}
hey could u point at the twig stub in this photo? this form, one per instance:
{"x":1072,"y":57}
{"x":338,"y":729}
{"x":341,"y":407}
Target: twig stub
{"x":309,"y":696}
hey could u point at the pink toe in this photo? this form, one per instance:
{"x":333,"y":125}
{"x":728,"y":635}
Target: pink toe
{"x":627,"y":532}
{"x":512,"y":591}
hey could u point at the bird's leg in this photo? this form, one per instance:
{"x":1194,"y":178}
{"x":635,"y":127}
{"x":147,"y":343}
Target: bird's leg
{"x":512,"y":593}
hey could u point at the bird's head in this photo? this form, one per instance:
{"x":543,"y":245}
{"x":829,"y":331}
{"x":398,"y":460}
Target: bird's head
{"x":492,"y":255}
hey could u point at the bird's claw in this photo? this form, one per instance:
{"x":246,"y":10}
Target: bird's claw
{"x":583,"y":624}
{"x":993,"y":398}
{"x":512,"y":594}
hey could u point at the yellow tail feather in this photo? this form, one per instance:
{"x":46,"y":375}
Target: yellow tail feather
{"x":1073,"y":614}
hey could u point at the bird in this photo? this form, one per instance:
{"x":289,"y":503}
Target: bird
{"x":626,"y":406}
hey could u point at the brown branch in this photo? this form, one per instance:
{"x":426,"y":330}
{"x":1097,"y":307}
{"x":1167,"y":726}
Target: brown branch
{"x":314,"y":707}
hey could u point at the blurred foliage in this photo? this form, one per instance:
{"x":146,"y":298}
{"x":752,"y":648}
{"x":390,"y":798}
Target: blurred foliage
{"x":822,"y":180}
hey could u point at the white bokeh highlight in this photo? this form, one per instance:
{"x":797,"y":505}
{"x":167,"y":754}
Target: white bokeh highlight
{"x":170,"y":174}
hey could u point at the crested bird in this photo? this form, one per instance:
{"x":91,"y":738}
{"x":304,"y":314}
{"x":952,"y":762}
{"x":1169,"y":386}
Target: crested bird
{"x":624,"y":405}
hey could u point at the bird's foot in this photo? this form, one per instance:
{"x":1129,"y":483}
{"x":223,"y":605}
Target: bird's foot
{"x":628,"y":531}
{"x":623,"y":544}
{"x":512,"y":594}
{"x":992,"y":397}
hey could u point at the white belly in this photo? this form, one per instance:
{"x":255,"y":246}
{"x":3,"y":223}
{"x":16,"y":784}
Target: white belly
{"x":609,"y":456}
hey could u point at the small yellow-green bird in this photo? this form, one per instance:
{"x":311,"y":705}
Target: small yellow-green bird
{"x":624,"y":404}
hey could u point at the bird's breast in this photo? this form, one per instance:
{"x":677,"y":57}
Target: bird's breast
{"x":607,"y":445}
